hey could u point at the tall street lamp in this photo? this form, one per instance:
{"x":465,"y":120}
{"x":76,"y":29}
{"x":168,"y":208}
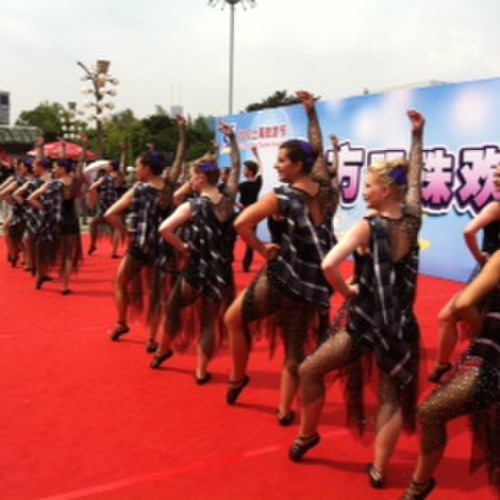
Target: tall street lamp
{"x":100,"y":86}
{"x":232,"y":4}
{"x":70,"y":125}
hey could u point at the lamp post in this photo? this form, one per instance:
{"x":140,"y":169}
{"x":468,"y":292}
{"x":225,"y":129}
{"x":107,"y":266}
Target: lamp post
{"x":232,"y":4}
{"x":71,"y":128}
{"x":100,"y":86}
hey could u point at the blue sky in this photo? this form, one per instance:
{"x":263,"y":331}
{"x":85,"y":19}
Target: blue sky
{"x":167,"y":52}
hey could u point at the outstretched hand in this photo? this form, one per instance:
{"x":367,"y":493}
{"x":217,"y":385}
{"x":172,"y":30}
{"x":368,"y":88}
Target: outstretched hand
{"x":181,"y":121}
{"x":306,"y":98}
{"x":417,"y":120}
{"x":334,"y":140}
{"x":226,"y":129}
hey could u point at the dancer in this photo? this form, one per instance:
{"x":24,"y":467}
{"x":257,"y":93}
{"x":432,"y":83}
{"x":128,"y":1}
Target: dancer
{"x":33,"y":218}
{"x":474,"y":388}
{"x":48,"y":200}
{"x":70,"y":251}
{"x":380,"y":316}
{"x":487,"y":220}
{"x":15,"y":226}
{"x":151,"y":201}
{"x":106,"y":190}
{"x":291,"y":292}
{"x":205,"y":286}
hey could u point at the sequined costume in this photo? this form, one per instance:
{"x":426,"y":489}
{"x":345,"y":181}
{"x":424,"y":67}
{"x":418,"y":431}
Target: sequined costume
{"x":473,"y":390}
{"x":291,"y":293}
{"x":205,"y":288}
{"x":380,"y":322}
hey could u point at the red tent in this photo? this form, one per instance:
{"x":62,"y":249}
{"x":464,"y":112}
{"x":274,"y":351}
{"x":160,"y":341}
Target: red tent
{"x":54,"y":151}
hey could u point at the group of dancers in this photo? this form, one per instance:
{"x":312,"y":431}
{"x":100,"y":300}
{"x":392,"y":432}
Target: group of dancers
{"x":181,"y":224}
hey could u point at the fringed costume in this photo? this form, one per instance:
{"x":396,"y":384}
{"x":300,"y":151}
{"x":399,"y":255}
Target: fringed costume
{"x":291,"y":293}
{"x":380,"y":322}
{"x":205,"y":288}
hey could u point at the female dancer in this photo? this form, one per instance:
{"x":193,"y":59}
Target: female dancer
{"x":15,"y":226}
{"x":205,"y":286}
{"x":291,"y":292}
{"x":70,"y":251}
{"x":474,"y":388}
{"x":380,"y":315}
{"x":41,"y":169}
{"x":106,"y":190}
{"x":48,"y":200}
{"x":487,"y":220}
{"x":151,"y":201}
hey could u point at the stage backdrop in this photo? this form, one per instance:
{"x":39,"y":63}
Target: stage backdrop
{"x":461,"y":153}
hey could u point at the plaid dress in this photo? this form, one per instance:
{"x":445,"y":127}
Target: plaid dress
{"x":381,"y":317}
{"x":211,"y":243}
{"x":32,"y":216}
{"x":49,"y":233}
{"x":297,"y":269}
{"x":108,"y":194}
{"x":18,"y":220}
{"x":150,"y":207}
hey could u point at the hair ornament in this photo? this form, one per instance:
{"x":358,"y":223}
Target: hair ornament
{"x":398,"y":175}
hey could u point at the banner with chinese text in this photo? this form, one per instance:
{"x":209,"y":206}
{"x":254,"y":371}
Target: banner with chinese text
{"x":461,"y":153}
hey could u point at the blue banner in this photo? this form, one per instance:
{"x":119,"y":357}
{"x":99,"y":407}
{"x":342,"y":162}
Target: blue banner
{"x":461,"y":154}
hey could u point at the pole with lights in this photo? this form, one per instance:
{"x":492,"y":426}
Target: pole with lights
{"x":232,"y":4}
{"x":101,"y":85}
{"x":70,"y":126}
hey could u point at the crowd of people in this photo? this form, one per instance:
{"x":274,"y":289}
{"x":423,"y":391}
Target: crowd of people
{"x":180,"y":225}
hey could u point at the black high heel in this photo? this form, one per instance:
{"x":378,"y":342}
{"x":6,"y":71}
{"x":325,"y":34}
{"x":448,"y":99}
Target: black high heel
{"x":419,"y":491}
{"x":152,"y":346}
{"x":377,"y":479}
{"x":158,"y":360}
{"x":40,"y":281}
{"x":205,"y":379}
{"x":119,"y":331}
{"x":286,"y":420}
{"x":235,"y":388}
{"x":302,"y":445}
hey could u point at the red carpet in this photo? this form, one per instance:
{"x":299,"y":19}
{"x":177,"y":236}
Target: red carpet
{"x":82,"y":417}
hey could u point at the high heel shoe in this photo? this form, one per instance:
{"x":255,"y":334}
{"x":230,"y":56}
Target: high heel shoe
{"x":302,"y":445}
{"x":119,"y":330}
{"x":419,"y":491}
{"x":152,"y":346}
{"x":159,"y":359}
{"x":377,"y":479}
{"x":205,"y":379}
{"x":235,"y":388}
{"x":40,"y":281}
{"x":286,"y":420}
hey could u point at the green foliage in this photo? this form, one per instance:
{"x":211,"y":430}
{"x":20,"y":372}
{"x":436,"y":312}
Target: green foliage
{"x":46,"y":116}
{"x":279,"y":98}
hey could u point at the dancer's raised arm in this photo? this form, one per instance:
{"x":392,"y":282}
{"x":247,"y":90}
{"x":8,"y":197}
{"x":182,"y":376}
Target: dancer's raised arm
{"x":234,"y":176}
{"x":320,"y":168}
{"x":175,"y":170}
{"x":414,"y":194}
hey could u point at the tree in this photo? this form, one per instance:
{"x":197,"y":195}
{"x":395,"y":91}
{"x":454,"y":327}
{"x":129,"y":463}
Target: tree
{"x":279,"y":98}
{"x":46,"y":116}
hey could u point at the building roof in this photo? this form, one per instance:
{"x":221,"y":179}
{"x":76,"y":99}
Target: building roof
{"x":19,"y":135}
